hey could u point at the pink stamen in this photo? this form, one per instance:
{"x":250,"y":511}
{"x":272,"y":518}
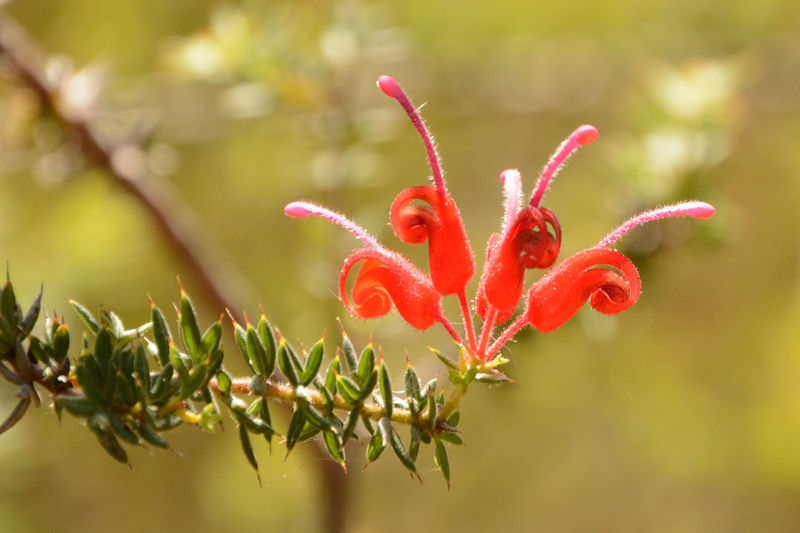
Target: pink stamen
{"x":450,"y":329}
{"x":304,"y":209}
{"x":512,"y":187}
{"x":694,"y":209}
{"x":580,"y":137}
{"x":391,"y":88}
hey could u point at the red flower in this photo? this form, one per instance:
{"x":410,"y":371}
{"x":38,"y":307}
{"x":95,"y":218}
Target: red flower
{"x":557,"y":296}
{"x":451,"y":260}
{"x":530,"y":238}
{"x":386,"y":278}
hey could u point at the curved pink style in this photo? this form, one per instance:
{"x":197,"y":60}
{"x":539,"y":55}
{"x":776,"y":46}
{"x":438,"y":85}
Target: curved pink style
{"x":582,"y":136}
{"x":304,"y":209}
{"x":391,"y":88}
{"x":694,"y":209}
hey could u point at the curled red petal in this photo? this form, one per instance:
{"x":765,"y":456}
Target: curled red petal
{"x":527,"y":244}
{"x":542,"y":248}
{"x":388,"y":280}
{"x":452,"y":263}
{"x":556,"y":297}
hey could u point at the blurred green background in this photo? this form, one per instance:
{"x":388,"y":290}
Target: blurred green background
{"x":680,"y":415}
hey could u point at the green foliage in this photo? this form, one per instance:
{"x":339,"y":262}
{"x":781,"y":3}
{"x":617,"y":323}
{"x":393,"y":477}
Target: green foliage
{"x":131,"y":386}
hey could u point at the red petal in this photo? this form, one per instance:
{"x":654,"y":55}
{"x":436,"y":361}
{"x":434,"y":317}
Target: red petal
{"x":528,"y":244}
{"x":387,"y":280}
{"x":452,"y":263}
{"x":556,"y":297}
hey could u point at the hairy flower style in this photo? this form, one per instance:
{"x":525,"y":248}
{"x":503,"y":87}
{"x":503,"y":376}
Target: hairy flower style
{"x":530,"y":237}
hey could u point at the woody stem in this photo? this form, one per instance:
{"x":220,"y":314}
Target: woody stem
{"x":462,"y":299}
{"x":520,"y":322}
{"x":488,"y":326}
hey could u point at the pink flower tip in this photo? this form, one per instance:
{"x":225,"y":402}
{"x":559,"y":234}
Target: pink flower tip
{"x":390,"y":87}
{"x":297,"y":210}
{"x":701,"y":210}
{"x":692,"y":208}
{"x":513,"y":173}
{"x":585,"y":134}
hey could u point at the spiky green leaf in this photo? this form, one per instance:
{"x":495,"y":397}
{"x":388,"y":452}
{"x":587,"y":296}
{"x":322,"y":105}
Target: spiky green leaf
{"x":349,"y":352}
{"x":452,"y":438}
{"x":151,"y":436}
{"x":16,"y":414}
{"x":211,"y":338}
{"x":330,"y":376}
{"x":369,"y":386}
{"x":295,"y":430}
{"x":60,"y":343}
{"x":449,"y":363}
{"x":268,"y":338}
{"x":161,"y":333}
{"x":30,"y":318}
{"x":286,"y":365}
{"x":86,"y":316}
{"x":349,"y":389}
{"x":402,"y":454}
{"x":9,"y":306}
{"x":441,"y":461}
{"x":80,"y":407}
{"x":225,"y":382}
{"x":256,"y":351}
{"x":334,"y":447}
{"x":123,"y":431}
{"x":90,"y":385}
{"x":312,"y":363}
{"x":412,"y":383}
{"x":190,"y":329}
{"x":350,"y":425}
{"x":141,"y":366}
{"x":375,"y":447}
{"x":366,"y":363}
{"x":385,"y":389}
{"x":247,"y":447}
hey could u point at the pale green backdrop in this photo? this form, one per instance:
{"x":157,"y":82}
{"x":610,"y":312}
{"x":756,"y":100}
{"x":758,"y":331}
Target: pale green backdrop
{"x":682,"y":414}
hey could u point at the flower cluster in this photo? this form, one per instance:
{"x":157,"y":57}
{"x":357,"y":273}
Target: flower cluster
{"x":530,"y":237}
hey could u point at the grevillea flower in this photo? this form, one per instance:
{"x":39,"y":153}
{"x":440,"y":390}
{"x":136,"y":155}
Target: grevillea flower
{"x":530,"y":237}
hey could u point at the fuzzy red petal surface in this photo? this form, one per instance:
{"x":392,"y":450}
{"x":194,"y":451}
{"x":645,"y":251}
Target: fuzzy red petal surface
{"x":452,"y":263}
{"x":387,"y":280}
{"x":528,"y":244}
{"x":556,"y":297}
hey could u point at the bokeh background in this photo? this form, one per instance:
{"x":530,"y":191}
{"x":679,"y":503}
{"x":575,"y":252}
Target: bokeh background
{"x":682,"y":414}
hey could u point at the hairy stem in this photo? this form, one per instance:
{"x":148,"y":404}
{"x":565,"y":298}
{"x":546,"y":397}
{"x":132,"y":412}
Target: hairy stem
{"x":468,"y":327}
{"x":285,"y":392}
{"x":520,"y":322}
{"x":486,"y":333}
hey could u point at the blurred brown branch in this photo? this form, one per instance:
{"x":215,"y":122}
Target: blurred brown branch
{"x":123,"y":161}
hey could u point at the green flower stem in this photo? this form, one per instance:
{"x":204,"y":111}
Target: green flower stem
{"x":453,"y":401}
